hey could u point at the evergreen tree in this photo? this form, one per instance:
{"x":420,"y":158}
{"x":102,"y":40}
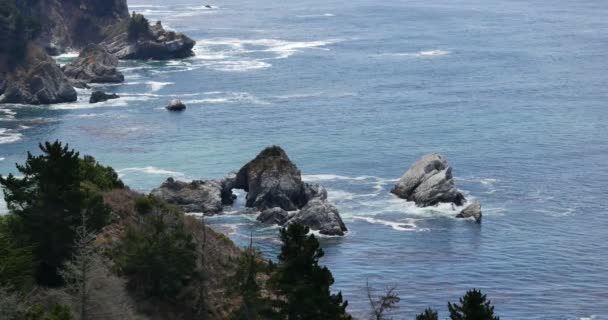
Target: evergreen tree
{"x":47,"y":202}
{"x":16,"y":271}
{"x":473,"y":306}
{"x":428,"y":314}
{"x":382,"y":304}
{"x":301,"y":283}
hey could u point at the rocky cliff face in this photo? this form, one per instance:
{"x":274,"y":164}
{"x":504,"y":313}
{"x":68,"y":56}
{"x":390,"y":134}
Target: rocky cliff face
{"x":74,"y":23}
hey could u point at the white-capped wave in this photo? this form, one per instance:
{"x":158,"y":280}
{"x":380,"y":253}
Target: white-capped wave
{"x":408,"y":225}
{"x":7,"y":114}
{"x":318,"y":15}
{"x":226,"y":98}
{"x":9,"y":136}
{"x":419,"y":54}
{"x":2,"y":158}
{"x":156,"y":86}
{"x":150,"y":170}
{"x":328,"y":177}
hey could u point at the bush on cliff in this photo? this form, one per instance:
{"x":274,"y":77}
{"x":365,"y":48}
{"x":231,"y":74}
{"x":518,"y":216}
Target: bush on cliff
{"x":473,"y":306}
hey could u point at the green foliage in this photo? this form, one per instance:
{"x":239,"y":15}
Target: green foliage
{"x":17,"y":30}
{"x":158,"y":257}
{"x":301,"y":282}
{"x":428,"y":314}
{"x":473,"y":306}
{"x":16,"y":263}
{"x":138,"y":27}
{"x":57,"y":312}
{"x":46,"y":204}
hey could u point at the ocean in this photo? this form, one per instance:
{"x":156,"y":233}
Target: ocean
{"x":514,"y":93}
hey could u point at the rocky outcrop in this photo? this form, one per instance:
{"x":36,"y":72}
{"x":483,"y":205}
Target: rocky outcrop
{"x":135,"y":38}
{"x":100,"y":96}
{"x":273,"y":216}
{"x":272,"y":180}
{"x":205,"y":196}
{"x":34,"y":79}
{"x":176,"y":105}
{"x":196,"y":196}
{"x":429,"y":182}
{"x":74,"y":24}
{"x":94,"y":65}
{"x":320,"y":215}
{"x":472,"y":210}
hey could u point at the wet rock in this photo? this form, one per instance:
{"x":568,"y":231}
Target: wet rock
{"x":94,"y":65}
{"x":429,"y":182}
{"x":176,"y":105}
{"x":273,"y":216}
{"x":100,"y":96}
{"x":320,"y":215}
{"x":472,"y":210}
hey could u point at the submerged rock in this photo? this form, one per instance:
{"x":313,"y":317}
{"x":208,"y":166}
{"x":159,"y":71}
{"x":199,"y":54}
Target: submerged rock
{"x":473,"y":210}
{"x":272,"y":180}
{"x":273,"y":216}
{"x":197,"y":196}
{"x":94,"y":65}
{"x":322,"y":216}
{"x":176,"y":105}
{"x":100,"y":96}
{"x":429,"y":182}
{"x":135,"y":38}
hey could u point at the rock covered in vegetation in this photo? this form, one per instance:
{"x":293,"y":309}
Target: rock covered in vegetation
{"x":135,"y":38}
{"x":176,"y":105}
{"x":34,"y":79}
{"x":429,"y":182}
{"x":100,"y":96}
{"x":472,"y":210}
{"x":94,"y":65}
{"x":197,"y":196}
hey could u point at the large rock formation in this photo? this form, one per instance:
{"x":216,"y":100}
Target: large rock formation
{"x":472,"y":210}
{"x":94,"y":65}
{"x":135,"y":38}
{"x":100,"y":96}
{"x":320,"y":215}
{"x":273,"y":216}
{"x":272,"y":180}
{"x":74,"y":24}
{"x":205,"y":196}
{"x":429,"y":182}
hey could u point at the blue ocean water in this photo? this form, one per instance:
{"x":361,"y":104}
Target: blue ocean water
{"x":513,"y":92}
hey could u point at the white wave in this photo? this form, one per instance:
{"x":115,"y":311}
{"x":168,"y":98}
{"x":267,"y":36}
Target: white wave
{"x":156,"y":86}
{"x":408,"y":225}
{"x":9,"y":136}
{"x":339,"y":195}
{"x":227,"y":97}
{"x":2,"y":158}
{"x":419,"y":54}
{"x":239,"y":65}
{"x":328,"y":177}
{"x":68,"y":55}
{"x":150,"y":170}
{"x":321,"y":15}
{"x":9,"y":114}
{"x":318,"y":234}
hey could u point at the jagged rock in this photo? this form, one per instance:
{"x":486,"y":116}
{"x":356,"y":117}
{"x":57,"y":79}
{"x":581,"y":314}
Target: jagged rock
{"x":100,"y":96}
{"x":196,"y":196}
{"x":135,"y":38}
{"x":429,"y":182}
{"x":320,"y":215}
{"x":34,"y":78}
{"x":176,"y":105}
{"x":312,"y":191}
{"x":227,"y":185}
{"x":273,"y":216}
{"x":94,"y":65}
{"x":272,"y":180}
{"x":472,"y":210}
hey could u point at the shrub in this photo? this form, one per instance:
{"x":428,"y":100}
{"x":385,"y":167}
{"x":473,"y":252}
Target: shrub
{"x":428,"y":314}
{"x":138,"y":27}
{"x":473,"y":306}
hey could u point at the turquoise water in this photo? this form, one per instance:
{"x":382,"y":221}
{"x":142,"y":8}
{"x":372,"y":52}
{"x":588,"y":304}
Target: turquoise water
{"x":514,"y":93}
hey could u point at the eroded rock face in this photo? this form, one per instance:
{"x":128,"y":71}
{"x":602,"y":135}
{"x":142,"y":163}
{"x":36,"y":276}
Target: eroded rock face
{"x":273,"y":216}
{"x":472,"y":210}
{"x":429,"y":182}
{"x":196,"y":196}
{"x":272,"y":180}
{"x":35,"y":79}
{"x":136,"y":39}
{"x":94,"y":65}
{"x":320,"y":215}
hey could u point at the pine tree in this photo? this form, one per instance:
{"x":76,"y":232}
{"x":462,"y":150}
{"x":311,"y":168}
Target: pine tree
{"x":382,"y":304}
{"x":428,"y":314}
{"x":473,"y":306}
{"x":303,"y":285}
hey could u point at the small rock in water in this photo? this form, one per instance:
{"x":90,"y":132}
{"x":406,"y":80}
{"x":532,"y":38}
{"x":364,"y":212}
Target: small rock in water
{"x":208,"y":6}
{"x":472,"y":210}
{"x":176,"y":105}
{"x":100,"y":96}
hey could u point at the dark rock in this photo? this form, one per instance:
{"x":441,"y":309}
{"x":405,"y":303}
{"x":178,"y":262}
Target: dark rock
{"x":429,"y":182}
{"x":472,"y":210}
{"x":208,"y":6}
{"x":312,"y":191}
{"x":136,"y":39}
{"x":273,"y":216}
{"x":227,"y":185}
{"x":320,"y":215}
{"x":272,"y":180}
{"x":196,"y":196}
{"x":176,"y":105}
{"x":94,"y":65}
{"x":99,"y":96}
